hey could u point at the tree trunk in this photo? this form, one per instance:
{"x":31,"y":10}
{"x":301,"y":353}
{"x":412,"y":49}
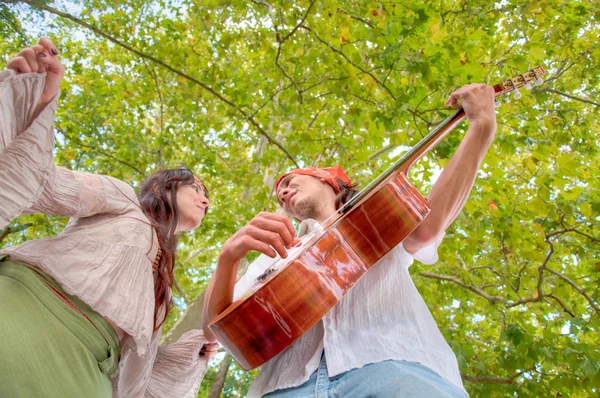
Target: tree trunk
{"x":191,"y":319}
{"x":219,"y":382}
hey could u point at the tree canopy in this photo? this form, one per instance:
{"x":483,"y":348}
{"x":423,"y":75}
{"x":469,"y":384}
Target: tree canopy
{"x":242,"y":91}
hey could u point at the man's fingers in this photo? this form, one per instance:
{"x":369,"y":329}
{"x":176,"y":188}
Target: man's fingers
{"x":248,"y":242}
{"x":457,"y":97}
{"x":19,"y":64}
{"x":453,"y":101}
{"x":263,"y":248}
{"x":279,"y":217}
{"x":270,"y":238}
{"x":277,"y":227}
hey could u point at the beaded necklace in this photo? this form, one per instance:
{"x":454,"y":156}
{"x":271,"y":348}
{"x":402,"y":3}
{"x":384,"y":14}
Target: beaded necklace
{"x":158,"y":255}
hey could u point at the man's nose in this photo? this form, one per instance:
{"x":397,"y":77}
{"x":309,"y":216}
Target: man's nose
{"x":283,"y":195}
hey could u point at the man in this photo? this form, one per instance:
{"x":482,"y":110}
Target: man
{"x":380,"y":340}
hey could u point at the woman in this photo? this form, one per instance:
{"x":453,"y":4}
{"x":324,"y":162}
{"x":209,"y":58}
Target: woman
{"x":82,"y":312}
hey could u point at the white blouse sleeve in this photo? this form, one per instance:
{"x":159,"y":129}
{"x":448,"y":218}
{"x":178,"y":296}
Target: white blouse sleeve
{"x":30,"y":182}
{"x":429,"y":254}
{"x":179,"y":368}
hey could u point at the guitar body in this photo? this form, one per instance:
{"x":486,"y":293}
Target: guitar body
{"x":293,"y":298}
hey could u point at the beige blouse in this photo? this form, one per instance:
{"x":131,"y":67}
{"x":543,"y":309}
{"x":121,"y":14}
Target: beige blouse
{"x":105,"y":253}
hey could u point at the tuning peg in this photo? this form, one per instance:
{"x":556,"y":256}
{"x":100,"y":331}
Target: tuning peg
{"x":538,"y":81}
{"x":507,"y":99}
{"x":497,"y":104}
{"x":528,"y":86}
{"x":518,"y":94}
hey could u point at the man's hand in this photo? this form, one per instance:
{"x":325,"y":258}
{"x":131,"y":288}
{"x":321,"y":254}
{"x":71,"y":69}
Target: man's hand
{"x":478,"y":102}
{"x":267,"y":233}
{"x":42,"y":57}
{"x":452,"y":188}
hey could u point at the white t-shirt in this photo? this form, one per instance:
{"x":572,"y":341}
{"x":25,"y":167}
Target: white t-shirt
{"x":382,"y":318}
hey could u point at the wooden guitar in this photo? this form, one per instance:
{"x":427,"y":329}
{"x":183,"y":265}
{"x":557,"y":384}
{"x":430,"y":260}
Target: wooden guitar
{"x":292,"y":295}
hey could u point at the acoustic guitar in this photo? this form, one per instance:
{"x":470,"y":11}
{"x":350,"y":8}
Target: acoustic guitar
{"x":292,"y":295}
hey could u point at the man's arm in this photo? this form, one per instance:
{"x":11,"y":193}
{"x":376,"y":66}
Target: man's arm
{"x":451,"y":190}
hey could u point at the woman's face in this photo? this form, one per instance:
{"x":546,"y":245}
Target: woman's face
{"x":191,"y":206}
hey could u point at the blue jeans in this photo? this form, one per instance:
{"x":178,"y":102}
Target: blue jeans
{"x":376,"y":380}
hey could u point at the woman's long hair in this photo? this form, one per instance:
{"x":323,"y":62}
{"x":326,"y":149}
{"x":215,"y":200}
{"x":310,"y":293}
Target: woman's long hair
{"x":158,"y":200}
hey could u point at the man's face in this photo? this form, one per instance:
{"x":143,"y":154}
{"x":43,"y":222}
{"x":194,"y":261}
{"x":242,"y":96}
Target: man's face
{"x":303,"y":197}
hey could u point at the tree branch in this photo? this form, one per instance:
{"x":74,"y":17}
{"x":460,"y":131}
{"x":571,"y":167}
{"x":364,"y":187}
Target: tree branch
{"x":381,"y":151}
{"x":363,"y":20}
{"x":551,"y":90}
{"x":79,"y":143}
{"x":559,"y":301}
{"x":540,"y":282}
{"x":300,"y":24}
{"x":562,"y":69}
{"x":180,"y":291}
{"x":576,"y":287}
{"x":492,"y":379}
{"x":4,"y":232}
{"x":564,"y":231}
{"x":315,"y":117}
{"x":247,"y":116}
{"x":473,"y":288}
{"x":208,"y":148}
{"x":539,"y":295}
{"x":263,"y":3}
{"x":280,"y":41}
{"x":162,"y":106}
{"x":335,"y":50}
{"x":286,"y":74}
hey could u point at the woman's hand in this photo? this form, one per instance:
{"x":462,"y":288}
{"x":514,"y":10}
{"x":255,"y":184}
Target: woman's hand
{"x":42,"y":57}
{"x":210,"y":350}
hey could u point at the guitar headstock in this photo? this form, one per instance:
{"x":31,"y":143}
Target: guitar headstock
{"x":528,"y":80}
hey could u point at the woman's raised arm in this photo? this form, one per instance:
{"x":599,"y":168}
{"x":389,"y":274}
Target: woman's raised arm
{"x":30,"y":182}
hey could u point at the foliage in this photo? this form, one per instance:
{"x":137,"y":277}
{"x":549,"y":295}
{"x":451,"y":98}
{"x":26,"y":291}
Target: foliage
{"x":245,"y":87}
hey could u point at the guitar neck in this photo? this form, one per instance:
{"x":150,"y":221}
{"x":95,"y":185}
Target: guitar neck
{"x":411,"y":157}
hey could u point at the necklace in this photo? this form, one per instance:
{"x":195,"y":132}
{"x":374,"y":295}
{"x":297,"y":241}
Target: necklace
{"x":158,"y":254}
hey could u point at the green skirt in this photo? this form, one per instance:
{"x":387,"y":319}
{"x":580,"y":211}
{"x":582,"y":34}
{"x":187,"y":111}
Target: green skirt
{"x":47,"y":348}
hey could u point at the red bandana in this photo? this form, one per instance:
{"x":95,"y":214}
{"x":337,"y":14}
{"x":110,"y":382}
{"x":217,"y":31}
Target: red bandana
{"x":329,"y":174}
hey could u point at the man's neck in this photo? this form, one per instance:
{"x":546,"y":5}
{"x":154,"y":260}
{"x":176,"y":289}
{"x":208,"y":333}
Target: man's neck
{"x":324,"y":216}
